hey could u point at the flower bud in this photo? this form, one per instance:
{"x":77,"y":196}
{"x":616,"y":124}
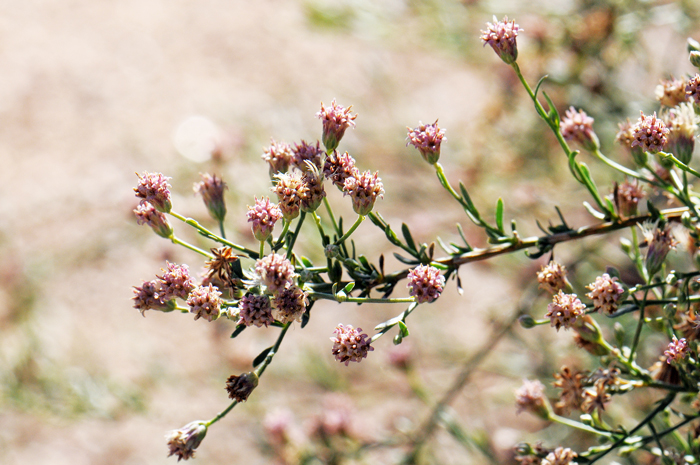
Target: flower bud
{"x":147,"y":214}
{"x":240,"y":387}
{"x":527,"y":322}
{"x":427,"y":139}
{"x":154,"y":189}
{"x":500,"y":35}
{"x":695,"y":59}
{"x":660,"y":241}
{"x":578,"y":127}
{"x":184,"y":441}
{"x":336,"y":119}
{"x":263,"y":215}
{"x":212,"y":189}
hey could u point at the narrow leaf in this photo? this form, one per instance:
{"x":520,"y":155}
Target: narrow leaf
{"x":239,"y":330}
{"x":261,"y":357}
{"x":407,"y":236}
{"x":349,"y":287}
{"x":407,"y":261}
{"x":499,"y":215}
{"x":403,"y":329}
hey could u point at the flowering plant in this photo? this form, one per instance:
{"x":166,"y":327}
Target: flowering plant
{"x":272,"y":284}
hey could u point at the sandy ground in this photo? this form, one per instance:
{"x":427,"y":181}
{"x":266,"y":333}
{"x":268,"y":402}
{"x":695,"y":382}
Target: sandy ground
{"x":92,"y":91}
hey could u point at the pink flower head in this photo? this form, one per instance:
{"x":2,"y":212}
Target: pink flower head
{"x":183,"y":442}
{"x":605,"y":293}
{"x":279,"y":156}
{"x":627,"y":196}
{"x":364,"y":190}
{"x":148,"y":297}
{"x":578,"y":126}
{"x":692,"y":89}
{"x":212,"y":189}
{"x":255,"y":310}
{"x":500,"y":35}
{"x":350,"y":344}
{"x":205,"y":301}
{"x":176,"y":282}
{"x":676,"y":350}
{"x":336,"y":119}
{"x":530,"y":397}
{"x":263,"y":215}
{"x":290,"y":304}
{"x":427,"y":139}
{"x":312,"y":191}
{"x":660,"y":241}
{"x":650,"y":133}
{"x":147,"y":214}
{"x":565,"y":310}
{"x":339,"y":167}
{"x":304,"y":151}
{"x":671,"y":92}
{"x":289,"y":190}
{"x":276,"y":272}
{"x":552,"y":277}
{"x":560,"y":456}
{"x":425,"y":283}
{"x":154,"y":189}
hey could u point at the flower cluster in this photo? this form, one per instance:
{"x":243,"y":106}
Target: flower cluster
{"x":671,"y":92}
{"x":427,"y":138}
{"x":552,"y":277}
{"x":676,"y":350}
{"x":183,"y":442}
{"x":304,"y":152}
{"x":364,"y":189}
{"x":263,"y":215}
{"x":565,"y":310}
{"x":278,"y":156}
{"x":692,"y":89}
{"x":276,"y":272}
{"x":605,"y":293}
{"x":255,"y":310}
{"x":336,"y":119}
{"x":338,"y":168}
{"x":350,"y":344}
{"x":650,"y":133}
{"x":530,"y":397}
{"x":425,"y":283}
{"x":147,"y":214}
{"x":288,"y":189}
{"x":578,"y":127}
{"x":501,"y":35}
{"x":154,"y":189}
{"x":205,"y":302}
{"x":212,"y":188}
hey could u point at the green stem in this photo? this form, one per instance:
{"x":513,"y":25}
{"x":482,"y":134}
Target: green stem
{"x":331,"y":216}
{"x":258,"y":371}
{"x":620,"y":168}
{"x":280,"y":239}
{"x":446,"y":184}
{"x":640,"y":324}
{"x":317,"y":219}
{"x":383,"y":328}
{"x":187,"y":245}
{"x":360,"y":300}
{"x":262,"y":249}
{"x":205,"y":232}
{"x":290,"y":248}
{"x":680,"y":164}
{"x":222,"y":229}
{"x":360,"y":219}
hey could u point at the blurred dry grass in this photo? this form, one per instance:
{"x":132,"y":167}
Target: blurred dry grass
{"x":93,"y":91}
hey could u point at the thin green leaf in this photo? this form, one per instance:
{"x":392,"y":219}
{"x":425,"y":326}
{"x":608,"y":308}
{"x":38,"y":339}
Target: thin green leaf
{"x":466,"y":199}
{"x":593,"y":211}
{"x":261,"y":357}
{"x":553,"y":114}
{"x":407,"y":261}
{"x":499,"y":215}
{"x":349,"y":287}
{"x":403,"y":329}
{"x":239,"y":330}
{"x":407,"y":236}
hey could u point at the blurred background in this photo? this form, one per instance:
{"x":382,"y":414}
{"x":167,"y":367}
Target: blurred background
{"x":93,"y":91}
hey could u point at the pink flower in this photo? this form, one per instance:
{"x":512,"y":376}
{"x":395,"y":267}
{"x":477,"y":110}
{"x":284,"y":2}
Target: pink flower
{"x":205,"y":301}
{"x":427,"y":139}
{"x":212,"y":189}
{"x":364,"y":189}
{"x":279,"y":156}
{"x":276,"y":272}
{"x":263,"y":215}
{"x":650,"y":133}
{"x":501,"y":37}
{"x":147,"y":214}
{"x":425,"y":283}
{"x":676,"y":350}
{"x":154,"y":189}
{"x":350,"y":344}
{"x":565,"y":310}
{"x":578,"y":126}
{"x":336,"y":119}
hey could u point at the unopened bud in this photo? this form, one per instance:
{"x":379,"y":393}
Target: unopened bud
{"x":695,"y":59}
{"x":240,"y":387}
{"x":527,"y":322}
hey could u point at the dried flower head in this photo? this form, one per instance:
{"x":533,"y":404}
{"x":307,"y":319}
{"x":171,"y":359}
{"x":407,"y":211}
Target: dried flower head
{"x":289,"y":190}
{"x":671,"y":92}
{"x":311,"y":191}
{"x":676,"y":350}
{"x":560,"y":456}
{"x":682,"y":124}
{"x":276,"y":272}
{"x":607,"y":376}
{"x":552,"y":277}
{"x":596,"y":398}
{"x":660,"y":241}
{"x":425,"y":283}
{"x":364,"y":191}
{"x":565,"y":310}
{"x":205,"y":301}
{"x":154,"y":189}
{"x":650,"y":133}
{"x":278,"y":156}
{"x":570,"y":383}
{"x":304,"y":151}
{"x":339,"y":167}
{"x":147,"y":214}
{"x":148,"y":297}
{"x":336,"y":119}
{"x":212,"y":189}
{"x":692,"y":89}
{"x":255,"y":310}
{"x":263,"y":215}
{"x":176,"y":282}
{"x":530,"y":397}
{"x":427,"y":138}
{"x":500,"y":35}
{"x":290,"y":304}
{"x":627,"y":196}
{"x":222,"y":265}
{"x":605,"y":293}
{"x":350,"y":344}
{"x":240,"y":387}
{"x":182,"y":442}
{"x":578,"y":127}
